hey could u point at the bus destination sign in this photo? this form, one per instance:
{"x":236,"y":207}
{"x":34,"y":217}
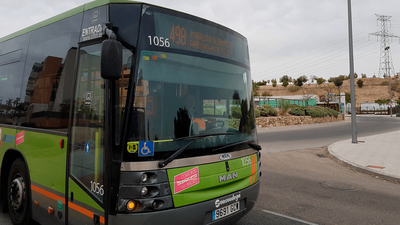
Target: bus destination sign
{"x":180,"y":33}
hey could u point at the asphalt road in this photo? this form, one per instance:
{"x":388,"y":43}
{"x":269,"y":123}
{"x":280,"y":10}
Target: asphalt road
{"x":283,"y":139}
{"x":312,"y":189}
{"x":301,"y":186}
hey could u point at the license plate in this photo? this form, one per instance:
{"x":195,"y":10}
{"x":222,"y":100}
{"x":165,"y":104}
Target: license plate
{"x":225,"y":211}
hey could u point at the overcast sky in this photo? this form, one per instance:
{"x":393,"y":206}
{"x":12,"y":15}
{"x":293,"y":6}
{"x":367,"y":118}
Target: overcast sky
{"x":286,"y":37}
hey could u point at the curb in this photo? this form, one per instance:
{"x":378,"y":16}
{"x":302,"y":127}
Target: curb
{"x":359,"y":168}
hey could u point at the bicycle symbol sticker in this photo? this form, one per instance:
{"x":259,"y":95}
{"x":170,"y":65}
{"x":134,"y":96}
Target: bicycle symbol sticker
{"x":146,"y":148}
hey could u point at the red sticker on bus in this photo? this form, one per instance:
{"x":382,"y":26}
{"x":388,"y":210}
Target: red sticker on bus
{"x":186,"y":180}
{"x":20,"y":138}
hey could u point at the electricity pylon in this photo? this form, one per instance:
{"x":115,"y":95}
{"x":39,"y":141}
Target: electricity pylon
{"x":386,"y":68}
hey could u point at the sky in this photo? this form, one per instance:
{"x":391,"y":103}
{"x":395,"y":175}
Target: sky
{"x":285,"y":37}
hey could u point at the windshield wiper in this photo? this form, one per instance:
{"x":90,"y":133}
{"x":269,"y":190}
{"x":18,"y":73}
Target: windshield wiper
{"x":179,"y":151}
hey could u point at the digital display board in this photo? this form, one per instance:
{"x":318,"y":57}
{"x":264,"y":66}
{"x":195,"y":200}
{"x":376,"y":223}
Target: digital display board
{"x":173,"y":31}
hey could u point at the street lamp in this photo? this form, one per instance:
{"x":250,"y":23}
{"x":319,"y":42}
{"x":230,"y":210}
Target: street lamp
{"x":388,"y":73}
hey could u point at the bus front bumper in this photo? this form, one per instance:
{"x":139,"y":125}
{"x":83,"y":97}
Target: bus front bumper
{"x":200,"y":213}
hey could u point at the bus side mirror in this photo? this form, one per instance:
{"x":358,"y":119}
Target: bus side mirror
{"x":111,"y":59}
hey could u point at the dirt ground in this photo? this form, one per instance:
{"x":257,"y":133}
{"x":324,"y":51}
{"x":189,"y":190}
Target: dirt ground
{"x":373,"y":89}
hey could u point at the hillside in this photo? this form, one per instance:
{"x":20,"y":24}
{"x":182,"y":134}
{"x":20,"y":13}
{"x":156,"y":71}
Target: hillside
{"x":373,"y":89}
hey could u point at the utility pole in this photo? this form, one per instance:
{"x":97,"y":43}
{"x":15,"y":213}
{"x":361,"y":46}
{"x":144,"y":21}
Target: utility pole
{"x":386,"y":67}
{"x":352,"y":88}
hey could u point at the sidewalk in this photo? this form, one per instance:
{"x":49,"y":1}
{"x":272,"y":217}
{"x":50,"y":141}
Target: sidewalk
{"x":377,"y":155}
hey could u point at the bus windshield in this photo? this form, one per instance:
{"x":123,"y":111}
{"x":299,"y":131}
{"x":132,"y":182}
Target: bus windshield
{"x":187,"y":86}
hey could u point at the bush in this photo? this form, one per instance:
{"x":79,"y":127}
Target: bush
{"x":360,"y":83}
{"x":257,"y":112}
{"x":293,"y":88}
{"x":297,"y":112}
{"x":267,"y":110}
{"x":236,"y":112}
{"x":284,"y":106}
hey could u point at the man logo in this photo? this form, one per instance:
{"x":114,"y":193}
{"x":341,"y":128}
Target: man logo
{"x":227,"y":177}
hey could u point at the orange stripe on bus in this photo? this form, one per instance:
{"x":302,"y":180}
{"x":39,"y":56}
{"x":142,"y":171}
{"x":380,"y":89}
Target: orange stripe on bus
{"x":47,"y":193}
{"x":70,"y":204}
{"x":84,"y":211}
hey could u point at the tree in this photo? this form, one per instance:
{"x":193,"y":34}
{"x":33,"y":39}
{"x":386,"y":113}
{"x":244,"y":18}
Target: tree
{"x":363,"y":75}
{"x":360,"y":83}
{"x":338,"y":82}
{"x":320,"y":80}
{"x":255,"y":88}
{"x":273,"y":82}
{"x":284,"y":78}
{"x":313,"y":78}
{"x":299,"y":82}
{"x":331,"y":79}
{"x":343,"y":77}
{"x":285,"y":83}
{"x":347,"y":97}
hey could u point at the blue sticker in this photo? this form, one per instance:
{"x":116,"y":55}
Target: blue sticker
{"x":146,"y":148}
{"x":87,"y":148}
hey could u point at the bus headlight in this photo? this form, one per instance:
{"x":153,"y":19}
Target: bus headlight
{"x":144,"y":191}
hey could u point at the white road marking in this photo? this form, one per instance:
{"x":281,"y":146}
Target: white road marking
{"x":288,"y":217}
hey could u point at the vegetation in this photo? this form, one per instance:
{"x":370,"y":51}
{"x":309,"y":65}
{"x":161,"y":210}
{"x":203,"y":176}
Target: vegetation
{"x":255,"y":89}
{"x":320,"y":80}
{"x":382,"y":101}
{"x":347,"y":97}
{"x":313,"y":111}
{"x":284,"y":78}
{"x":266,"y":93}
{"x":284,"y":106}
{"x":338,"y":82}
{"x":273,"y":82}
{"x":236,"y":112}
{"x":293,"y":88}
{"x":267,"y":110}
{"x":360,"y":83}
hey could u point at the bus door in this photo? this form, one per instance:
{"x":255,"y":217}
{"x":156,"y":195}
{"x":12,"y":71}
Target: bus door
{"x":86,"y":173}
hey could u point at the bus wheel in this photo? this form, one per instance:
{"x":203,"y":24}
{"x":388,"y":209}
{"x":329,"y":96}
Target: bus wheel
{"x":19,"y":193}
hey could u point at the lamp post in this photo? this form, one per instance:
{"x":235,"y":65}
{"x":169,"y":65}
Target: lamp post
{"x":388,"y":73}
{"x":353,"y":94}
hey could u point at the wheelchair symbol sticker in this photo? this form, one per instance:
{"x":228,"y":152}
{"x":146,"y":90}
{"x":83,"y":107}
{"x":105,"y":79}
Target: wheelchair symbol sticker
{"x":146,"y":148}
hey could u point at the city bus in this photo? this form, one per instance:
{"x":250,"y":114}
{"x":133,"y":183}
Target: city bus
{"x":122,"y":112}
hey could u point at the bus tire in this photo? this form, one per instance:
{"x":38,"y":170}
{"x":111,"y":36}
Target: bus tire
{"x":18,"y":193}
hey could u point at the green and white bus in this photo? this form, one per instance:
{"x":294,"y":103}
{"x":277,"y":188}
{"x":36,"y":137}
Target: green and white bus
{"x":121,"y":112}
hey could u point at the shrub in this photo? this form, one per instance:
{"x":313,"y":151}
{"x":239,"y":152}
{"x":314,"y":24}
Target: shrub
{"x":297,"y":112}
{"x":266,"y":93}
{"x":236,"y":112}
{"x":257,"y":112}
{"x":284,"y":106}
{"x":360,"y":83}
{"x":267,"y":110}
{"x":293,"y":88}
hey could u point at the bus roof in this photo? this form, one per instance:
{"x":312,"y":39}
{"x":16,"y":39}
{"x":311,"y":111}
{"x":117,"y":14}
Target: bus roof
{"x":74,"y":11}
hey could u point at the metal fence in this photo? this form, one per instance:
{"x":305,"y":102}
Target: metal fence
{"x":380,"y":110}
{"x":276,"y":102}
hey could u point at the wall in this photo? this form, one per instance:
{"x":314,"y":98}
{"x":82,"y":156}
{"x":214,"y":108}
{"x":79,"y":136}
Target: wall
{"x":281,"y":121}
